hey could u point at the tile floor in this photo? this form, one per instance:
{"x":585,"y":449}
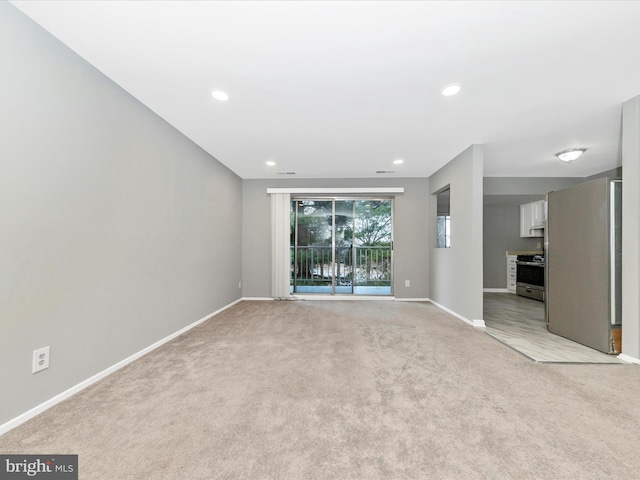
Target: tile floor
{"x":519,"y":323}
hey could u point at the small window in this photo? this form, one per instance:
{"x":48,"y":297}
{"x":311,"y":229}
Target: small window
{"x":443,"y":218}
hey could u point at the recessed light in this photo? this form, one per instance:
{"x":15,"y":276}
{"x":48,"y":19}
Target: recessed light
{"x":399,"y":161}
{"x":571,"y":154}
{"x":271,"y":163}
{"x":220,"y":95}
{"x":451,"y":90}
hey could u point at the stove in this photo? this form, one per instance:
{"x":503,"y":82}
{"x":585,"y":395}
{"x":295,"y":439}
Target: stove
{"x":530,"y":276}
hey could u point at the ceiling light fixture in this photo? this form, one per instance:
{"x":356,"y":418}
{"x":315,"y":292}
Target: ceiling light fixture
{"x":451,"y":90}
{"x":270,"y":163}
{"x":399,"y":161}
{"x":571,"y":154}
{"x":220,"y":95}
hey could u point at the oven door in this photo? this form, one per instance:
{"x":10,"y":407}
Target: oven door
{"x":530,"y":279}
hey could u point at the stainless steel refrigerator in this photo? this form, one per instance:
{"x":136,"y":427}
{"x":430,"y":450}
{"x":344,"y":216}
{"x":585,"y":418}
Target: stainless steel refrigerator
{"x":583,"y":256}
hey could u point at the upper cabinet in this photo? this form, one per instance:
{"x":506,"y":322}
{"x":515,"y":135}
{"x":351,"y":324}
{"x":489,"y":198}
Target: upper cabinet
{"x":532,"y":219}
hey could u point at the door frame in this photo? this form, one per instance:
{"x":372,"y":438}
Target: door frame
{"x":334,"y":198}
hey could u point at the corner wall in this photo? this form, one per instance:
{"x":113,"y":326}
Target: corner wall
{"x":116,"y":230}
{"x":456,"y":273}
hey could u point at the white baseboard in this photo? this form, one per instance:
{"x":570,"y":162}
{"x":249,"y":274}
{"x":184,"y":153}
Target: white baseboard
{"x":11,"y":424}
{"x":257,"y":299}
{"x":473,"y":323}
{"x":352,"y":297}
{"x":628,"y":358}
{"x":497,"y":290}
{"x":342,"y":297}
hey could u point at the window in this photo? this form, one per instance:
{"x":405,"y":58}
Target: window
{"x":443,"y":218}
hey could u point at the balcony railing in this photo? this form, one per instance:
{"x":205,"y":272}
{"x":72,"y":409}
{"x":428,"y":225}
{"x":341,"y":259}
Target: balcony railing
{"x":358,"y":266}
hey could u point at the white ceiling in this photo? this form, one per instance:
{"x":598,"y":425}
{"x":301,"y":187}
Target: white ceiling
{"x":341,"y":89}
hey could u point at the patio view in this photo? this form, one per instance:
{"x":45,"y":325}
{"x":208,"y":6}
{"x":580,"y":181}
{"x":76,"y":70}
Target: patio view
{"x":341,"y":246}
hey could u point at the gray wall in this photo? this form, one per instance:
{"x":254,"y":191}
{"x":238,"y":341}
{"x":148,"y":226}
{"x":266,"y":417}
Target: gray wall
{"x":613,"y":173}
{"x":116,"y":229}
{"x":410,"y":231}
{"x":456,"y":273}
{"x":501,"y":231}
{"x":526,"y":185}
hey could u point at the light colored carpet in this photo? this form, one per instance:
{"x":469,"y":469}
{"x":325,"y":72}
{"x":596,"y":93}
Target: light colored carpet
{"x":344,"y":390}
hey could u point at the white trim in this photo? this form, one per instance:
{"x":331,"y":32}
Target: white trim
{"x":473,"y":323}
{"x":305,"y":296}
{"x":341,"y":297}
{"x":628,"y":358}
{"x":254,"y":299}
{"x":28,"y":415}
{"x":335,"y":191}
{"x":497,"y":290}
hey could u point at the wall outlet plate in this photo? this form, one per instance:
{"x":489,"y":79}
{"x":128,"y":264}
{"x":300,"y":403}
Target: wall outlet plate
{"x":40,"y":359}
{"x":407,"y":283}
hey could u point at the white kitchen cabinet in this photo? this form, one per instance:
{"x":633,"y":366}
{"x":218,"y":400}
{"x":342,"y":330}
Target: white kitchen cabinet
{"x":532,"y":219}
{"x":539,"y":214}
{"x":511,"y":273}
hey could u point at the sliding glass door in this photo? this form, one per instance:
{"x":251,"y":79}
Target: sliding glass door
{"x":341,"y":246}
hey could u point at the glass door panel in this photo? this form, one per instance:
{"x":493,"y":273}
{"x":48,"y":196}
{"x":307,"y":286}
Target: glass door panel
{"x":373,"y":247}
{"x":344,"y":214}
{"x":312,"y":271}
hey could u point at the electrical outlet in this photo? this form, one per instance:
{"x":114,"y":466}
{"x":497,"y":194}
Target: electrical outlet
{"x":240,"y":284}
{"x":538,"y":245}
{"x":40,"y":359}
{"x":407,"y":283}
